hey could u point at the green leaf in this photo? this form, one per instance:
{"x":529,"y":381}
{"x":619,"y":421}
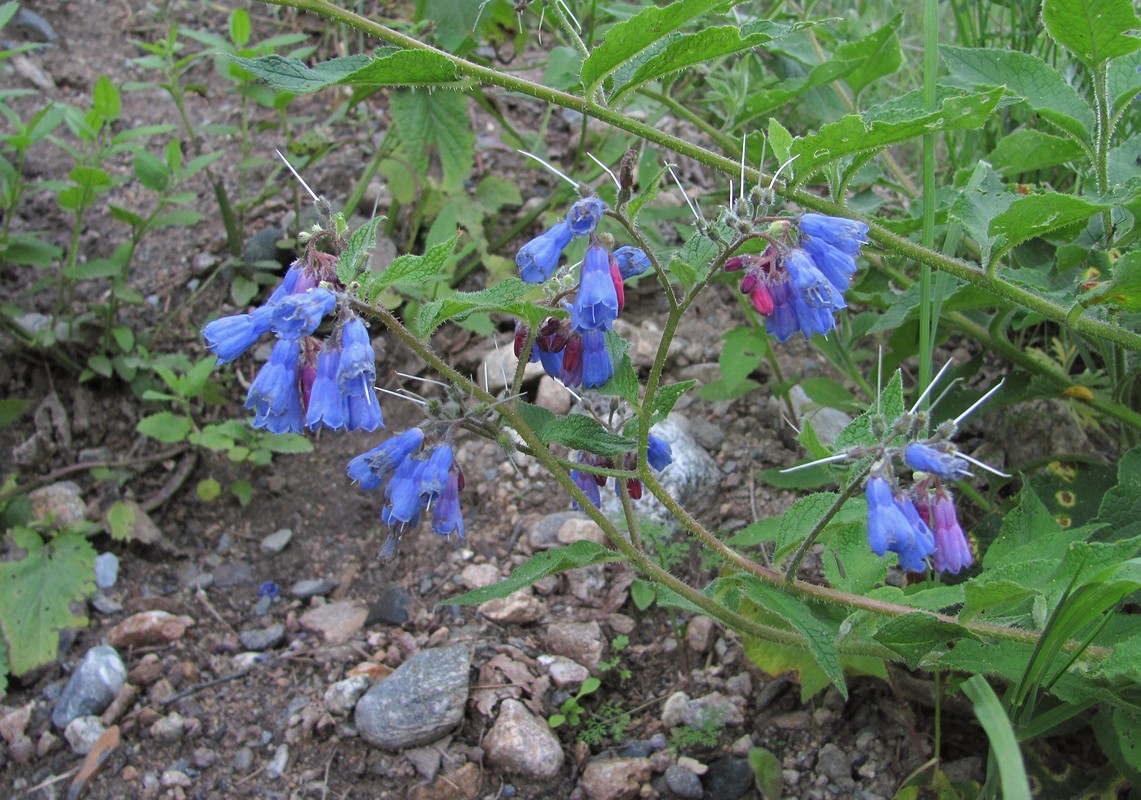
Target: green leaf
{"x":286,"y":443}
{"x":121,"y":521}
{"x":859,"y":432}
{"x":413,"y":270}
{"x":391,"y":68}
{"x":580,"y":432}
{"x":1003,"y":742}
{"x":36,"y":593}
{"x":1030,"y":149}
{"x":820,"y":636}
{"x":1037,"y":214}
{"x":151,"y":171}
{"x":1093,"y":30}
{"x":12,"y":408}
{"x":208,"y":490}
{"x":919,"y":638}
{"x":239,"y":27}
{"x":849,"y":564}
{"x":242,"y":490}
{"x":878,"y":52}
{"x":505,"y":297}
{"x":767,"y":770}
{"x":435,"y":120}
{"x":685,"y":52}
{"x":974,"y":209}
{"x":744,"y":349}
{"x":695,"y":255}
{"x":1121,"y":507}
{"x":549,"y":562}
{"x":630,"y":37}
{"x":165,"y":426}
{"x":890,"y":123}
{"x":643,"y":593}
{"x":105,"y":101}
{"x":666,"y":398}
{"x":354,"y":259}
{"x":212,"y":437}
{"x":1024,"y":76}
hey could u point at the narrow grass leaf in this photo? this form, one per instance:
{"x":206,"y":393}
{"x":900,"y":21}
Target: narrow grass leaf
{"x":1004,"y":745}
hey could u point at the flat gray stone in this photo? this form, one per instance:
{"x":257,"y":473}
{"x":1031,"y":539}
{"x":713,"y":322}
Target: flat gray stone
{"x":91,"y":688}
{"x":313,"y":587}
{"x":276,"y":542}
{"x":419,"y":702}
{"x":263,"y":638}
{"x":683,"y":783}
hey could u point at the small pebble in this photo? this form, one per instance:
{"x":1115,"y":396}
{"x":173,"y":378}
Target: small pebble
{"x":263,"y":638}
{"x":106,"y":570}
{"x":683,"y":783}
{"x":279,"y":763}
{"x":312,"y":588}
{"x":276,"y":542}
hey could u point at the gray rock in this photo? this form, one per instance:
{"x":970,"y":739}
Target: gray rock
{"x":94,"y":684}
{"x":545,"y":534}
{"x":105,"y":605}
{"x":170,"y":728}
{"x":691,"y":478}
{"x":82,"y":733}
{"x":729,"y":778}
{"x":699,"y":634}
{"x":419,"y":702}
{"x":61,"y":502}
{"x":279,"y":763}
{"x":836,"y":766}
{"x":261,"y":247}
{"x":106,"y":570}
{"x":314,"y":587}
{"x":578,"y":641}
{"x":263,"y":638}
{"x":615,"y":778}
{"x":714,"y":708}
{"x":683,"y":783}
{"x":706,"y":434}
{"x":426,"y":760}
{"x":235,"y":573}
{"x":522,"y":745}
{"x":391,"y":607}
{"x":343,"y":695}
{"x":827,"y":422}
{"x":243,"y":759}
{"x":276,"y":542}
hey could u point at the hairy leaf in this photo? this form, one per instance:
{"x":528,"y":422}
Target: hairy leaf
{"x":1093,"y":30}
{"x":391,"y":67}
{"x":439,"y":120}
{"x":36,"y":593}
{"x":504,"y":297}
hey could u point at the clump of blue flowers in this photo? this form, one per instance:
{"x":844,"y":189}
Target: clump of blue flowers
{"x":573,"y":349}
{"x":798,"y":282}
{"x":308,"y":382}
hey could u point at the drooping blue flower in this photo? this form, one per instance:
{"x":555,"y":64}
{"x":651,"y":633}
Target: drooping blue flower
{"x":631,"y":261}
{"x":659,"y":454}
{"x":584,"y":215}
{"x":447,"y":516}
{"x":810,"y":282}
{"x":328,"y":406}
{"x":597,"y":368}
{"x":229,"y":337}
{"x":369,"y":469}
{"x":835,"y":264}
{"x":294,"y":281}
{"x":356,"y":375}
{"x":952,"y":552}
{"x":403,"y":494}
{"x":939,"y":463}
{"x":275,"y":393}
{"x":586,"y":481}
{"x":894,"y":524}
{"x":552,"y":362}
{"x":298,"y":315}
{"x":538,"y":259}
{"x":595,"y":306}
{"x":433,"y":476}
{"x":782,"y":321}
{"x":844,"y":234}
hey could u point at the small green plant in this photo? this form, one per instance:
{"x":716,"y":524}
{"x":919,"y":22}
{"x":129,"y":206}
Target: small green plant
{"x":609,"y":721}
{"x":187,"y":388}
{"x":571,"y":711}
{"x":618,"y":644}
{"x":705,"y":735}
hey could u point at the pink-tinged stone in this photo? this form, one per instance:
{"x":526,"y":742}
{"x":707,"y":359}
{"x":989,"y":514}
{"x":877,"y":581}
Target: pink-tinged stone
{"x":335,"y":622}
{"x":148,"y":628}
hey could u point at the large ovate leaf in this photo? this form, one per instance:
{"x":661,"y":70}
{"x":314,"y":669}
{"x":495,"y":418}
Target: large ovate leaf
{"x":391,"y":67}
{"x":36,"y":593}
{"x":549,"y":562}
{"x":576,"y":431}
{"x":1093,"y":30}
{"x":686,"y":51}
{"x":1026,"y":77}
{"x":919,"y":638}
{"x":411,"y":270}
{"x":626,"y":39}
{"x":890,"y":123}
{"x":1036,"y":215}
{"x":426,"y":121}
{"x":505,"y":297}
{"x":1029,"y":150}
{"x":164,"y":426}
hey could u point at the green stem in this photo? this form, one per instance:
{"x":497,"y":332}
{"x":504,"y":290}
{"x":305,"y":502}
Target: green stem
{"x":806,"y":545}
{"x":879,"y":234}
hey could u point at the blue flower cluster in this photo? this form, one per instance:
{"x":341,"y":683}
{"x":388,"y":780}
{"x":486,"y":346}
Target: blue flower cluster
{"x":659,"y":455}
{"x":799,"y":288}
{"x":305,"y":383}
{"x":417,"y":481}
{"x":574,"y":350}
{"x":921,"y":522}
